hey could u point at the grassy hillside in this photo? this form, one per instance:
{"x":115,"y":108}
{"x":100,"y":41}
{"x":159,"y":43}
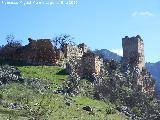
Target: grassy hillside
{"x":51,"y":106}
{"x":54,"y":74}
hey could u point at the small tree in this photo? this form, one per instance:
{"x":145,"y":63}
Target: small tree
{"x":12,"y":42}
{"x":62,"y":39}
{"x":8,"y":51}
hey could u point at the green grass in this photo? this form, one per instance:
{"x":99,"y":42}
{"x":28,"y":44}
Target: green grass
{"x":54,"y":74}
{"x":117,"y":116}
{"x":57,"y":103}
{"x":61,"y":111}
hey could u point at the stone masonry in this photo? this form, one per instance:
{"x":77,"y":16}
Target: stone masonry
{"x":92,"y":64}
{"x":85,"y":63}
{"x":37,"y":52}
{"x":133,"y":55}
{"x":74,"y":51}
{"x":42,"y":52}
{"x":133,"y":51}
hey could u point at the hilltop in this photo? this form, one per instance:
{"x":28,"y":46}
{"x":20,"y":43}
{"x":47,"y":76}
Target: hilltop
{"x":69,"y":81}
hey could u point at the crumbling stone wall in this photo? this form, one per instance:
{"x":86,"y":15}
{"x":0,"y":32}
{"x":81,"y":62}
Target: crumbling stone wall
{"x":37,"y":52}
{"x":74,"y":51}
{"x":83,"y":47}
{"x":133,"y":51}
{"x":40,"y":52}
{"x":81,"y":61}
{"x":91,"y":63}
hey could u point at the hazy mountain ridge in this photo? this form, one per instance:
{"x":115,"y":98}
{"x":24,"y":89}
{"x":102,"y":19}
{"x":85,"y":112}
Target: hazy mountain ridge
{"x":106,"y":54}
{"x":154,"y":69}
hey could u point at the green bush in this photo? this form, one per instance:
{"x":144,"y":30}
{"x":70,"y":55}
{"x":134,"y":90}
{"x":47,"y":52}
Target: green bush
{"x":137,"y":111}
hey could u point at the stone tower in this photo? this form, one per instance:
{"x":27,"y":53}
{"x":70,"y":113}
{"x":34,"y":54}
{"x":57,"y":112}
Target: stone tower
{"x":133,"y":51}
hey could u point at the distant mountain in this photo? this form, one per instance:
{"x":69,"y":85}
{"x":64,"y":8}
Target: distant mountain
{"x":154,"y":69}
{"x":106,"y":54}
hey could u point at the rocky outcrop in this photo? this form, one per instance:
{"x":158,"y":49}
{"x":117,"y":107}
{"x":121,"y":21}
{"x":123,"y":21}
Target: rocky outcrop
{"x":9,"y":74}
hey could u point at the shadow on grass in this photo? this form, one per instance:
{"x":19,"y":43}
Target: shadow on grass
{"x":13,"y":63}
{"x":61,"y":72}
{"x":6,"y":111}
{"x":19,"y":63}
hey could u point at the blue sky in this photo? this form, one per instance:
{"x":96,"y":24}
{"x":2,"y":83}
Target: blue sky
{"x":101,"y":24}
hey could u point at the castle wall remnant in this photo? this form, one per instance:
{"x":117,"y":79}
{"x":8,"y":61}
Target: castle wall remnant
{"x":133,"y":51}
{"x":74,"y":51}
{"x":37,"y":52}
{"x":83,"y":47}
{"x":42,"y":52}
{"x":92,"y":63}
{"x":86,"y":66}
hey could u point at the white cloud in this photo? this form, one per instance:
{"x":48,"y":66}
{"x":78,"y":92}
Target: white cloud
{"x":142,"y":13}
{"x":118,"y":51}
{"x":134,"y":14}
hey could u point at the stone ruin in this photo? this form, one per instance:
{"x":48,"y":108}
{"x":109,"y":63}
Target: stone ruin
{"x":92,"y":64}
{"x":133,"y":57}
{"x":42,"y":52}
{"x":37,"y":52}
{"x":133,"y":51}
{"x":74,"y":51}
{"x":87,"y":66}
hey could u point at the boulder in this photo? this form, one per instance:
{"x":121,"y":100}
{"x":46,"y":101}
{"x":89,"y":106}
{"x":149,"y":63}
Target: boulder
{"x":87,"y":108}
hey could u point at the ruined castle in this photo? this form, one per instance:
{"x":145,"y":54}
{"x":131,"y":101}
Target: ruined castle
{"x":43,"y":52}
